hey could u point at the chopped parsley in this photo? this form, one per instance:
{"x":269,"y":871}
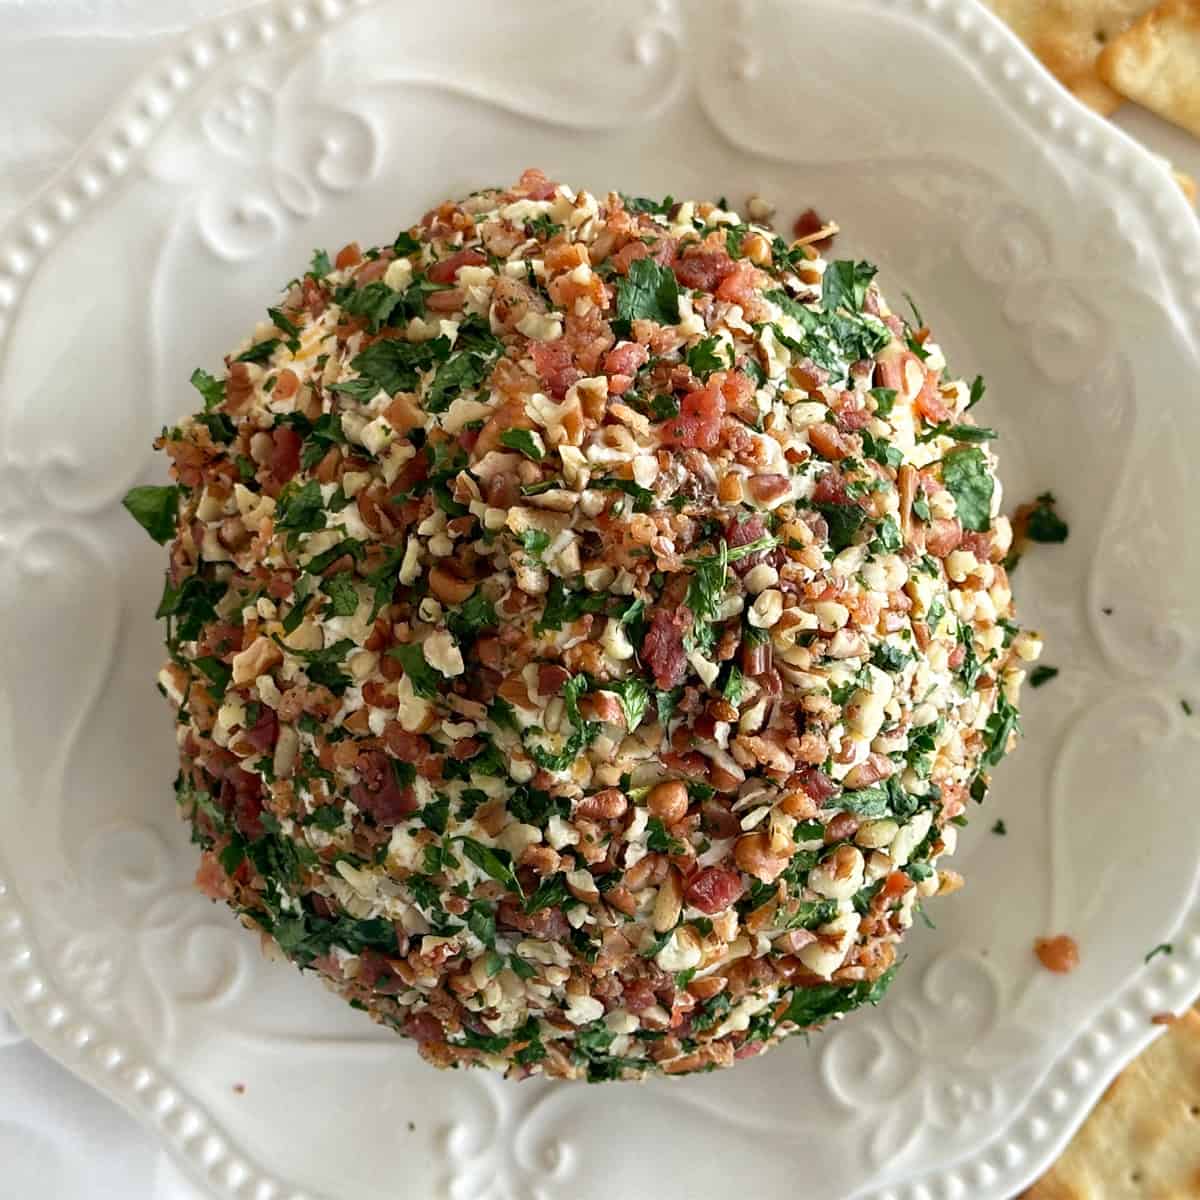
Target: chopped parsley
{"x":475,"y":613}
{"x":564,"y":606}
{"x":300,"y":508}
{"x":493,"y":862}
{"x":642,"y":204}
{"x":534,"y":541}
{"x":154,"y":509}
{"x":1000,"y":726}
{"x":634,"y":697}
{"x":260,"y":352}
{"x":967,"y":478}
{"x":1043,"y":523}
{"x":844,"y":285}
{"x":1040,"y":675}
{"x":705,"y":357}
{"x":960,"y":433}
{"x":395,"y":366}
{"x":978,"y":387}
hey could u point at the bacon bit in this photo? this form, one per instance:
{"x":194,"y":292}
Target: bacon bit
{"x":980,"y":544}
{"x":287,"y":384}
{"x":930,"y":401}
{"x":850,"y":420}
{"x":446,"y":270}
{"x":639,"y":996}
{"x":242,"y":792}
{"x":765,"y":488}
{"x":741,"y":532}
{"x":699,"y":422}
{"x":662,"y":647}
{"x":424,"y":1027}
{"x":807,"y":375}
{"x":1164,"y":1018}
{"x":348,"y":256}
{"x":312,"y":297}
{"x":713,"y":889}
{"x":549,"y":923}
{"x":602,"y":706}
{"x":815,"y":783}
{"x":372,"y":271}
{"x":628,"y":254}
{"x":443,"y":302}
{"x":239,"y":389}
{"x":589,"y":338}
{"x":1059,"y":954}
{"x":211,"y":878}
{"x":809,"y":230}
{"x":625,"y":358}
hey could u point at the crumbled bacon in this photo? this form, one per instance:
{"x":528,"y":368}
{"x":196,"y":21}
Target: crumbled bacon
{"x":377,"y":792}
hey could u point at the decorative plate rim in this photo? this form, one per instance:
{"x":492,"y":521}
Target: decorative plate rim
{"x":1006,"y":1162}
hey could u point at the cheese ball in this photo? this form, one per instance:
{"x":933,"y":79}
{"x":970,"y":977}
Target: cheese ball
{"x":588,"y":626}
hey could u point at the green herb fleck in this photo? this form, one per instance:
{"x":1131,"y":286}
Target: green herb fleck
{"x":649,"y":292}
{"x":212,"y":389}
{"x":966,"y":476}
{"x":525,"y":441}
{"x":812,"y":1006}
{"x":425,"y":681}
{"x":154,"y":509}
{"x":1043,"y":523}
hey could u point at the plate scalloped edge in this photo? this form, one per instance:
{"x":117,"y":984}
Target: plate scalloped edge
{"x":1008,"y":1161}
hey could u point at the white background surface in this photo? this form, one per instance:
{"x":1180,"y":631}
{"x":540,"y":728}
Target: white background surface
{"x":65,"y":63}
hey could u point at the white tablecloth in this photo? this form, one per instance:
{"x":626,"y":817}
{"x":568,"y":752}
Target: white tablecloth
{"x":61,"y":63}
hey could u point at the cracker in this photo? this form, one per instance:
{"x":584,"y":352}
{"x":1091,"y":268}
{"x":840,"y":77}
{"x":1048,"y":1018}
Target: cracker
{"x":1188,"y":184}
{"x":1068,"y":36}
{"x":1157,"y":62}
{"x":1142,"y":1141}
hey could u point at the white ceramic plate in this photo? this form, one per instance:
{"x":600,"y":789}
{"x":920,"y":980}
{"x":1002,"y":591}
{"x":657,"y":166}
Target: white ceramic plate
{"x":1048,"y":252}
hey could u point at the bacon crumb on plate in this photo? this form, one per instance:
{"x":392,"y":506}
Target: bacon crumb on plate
{"x":1058,"y":954}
